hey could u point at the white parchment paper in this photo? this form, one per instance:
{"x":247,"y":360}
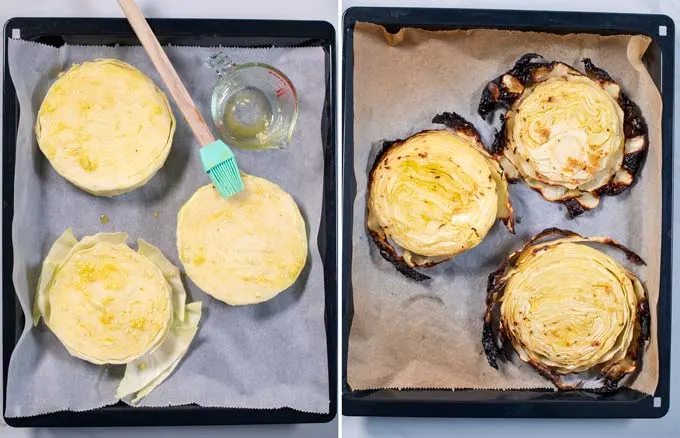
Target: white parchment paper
{"x":407,"y":334}
{"x":268,"y":355}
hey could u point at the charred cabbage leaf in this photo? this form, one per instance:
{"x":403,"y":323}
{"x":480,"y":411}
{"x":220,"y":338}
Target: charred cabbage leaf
{"x":573,"y":137}
{"x":434,"y":195}
{"x":567,"y":308}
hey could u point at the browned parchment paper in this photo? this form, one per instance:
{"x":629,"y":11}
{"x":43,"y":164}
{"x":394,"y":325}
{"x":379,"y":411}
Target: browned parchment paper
{"x":428,"y":335}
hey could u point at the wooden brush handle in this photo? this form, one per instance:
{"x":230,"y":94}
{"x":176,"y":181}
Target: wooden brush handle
{"x":172,"y":81}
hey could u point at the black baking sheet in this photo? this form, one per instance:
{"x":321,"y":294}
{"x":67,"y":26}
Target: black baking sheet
{"x":187,"y":32}
{"x":625,"y":403}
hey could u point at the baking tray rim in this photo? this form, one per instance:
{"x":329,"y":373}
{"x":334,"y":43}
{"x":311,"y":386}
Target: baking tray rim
{"x":434,"y":402}
{"x":308,"y":32}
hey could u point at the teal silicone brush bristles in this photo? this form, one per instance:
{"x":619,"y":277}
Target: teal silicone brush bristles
{"x":219,"y":162}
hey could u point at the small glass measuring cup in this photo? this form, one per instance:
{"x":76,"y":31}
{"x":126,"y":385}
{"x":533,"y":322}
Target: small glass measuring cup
{"x":254,"y":105}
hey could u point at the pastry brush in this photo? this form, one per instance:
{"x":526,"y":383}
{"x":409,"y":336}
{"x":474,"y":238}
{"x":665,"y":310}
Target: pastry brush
{"x":217,"y":158}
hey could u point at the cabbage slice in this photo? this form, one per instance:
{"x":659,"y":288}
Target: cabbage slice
{"x":145,"y":373}
{"x":571,"y":136}
{"x":568,"y":310}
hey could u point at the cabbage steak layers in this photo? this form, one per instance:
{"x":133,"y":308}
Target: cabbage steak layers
{"x":105,"y":127}
{"x":434,"y":195}
{"x":108,"y":304}
{"x":245,"y":249}
{"x":568,"y":309}
{"x":572,"y":137}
